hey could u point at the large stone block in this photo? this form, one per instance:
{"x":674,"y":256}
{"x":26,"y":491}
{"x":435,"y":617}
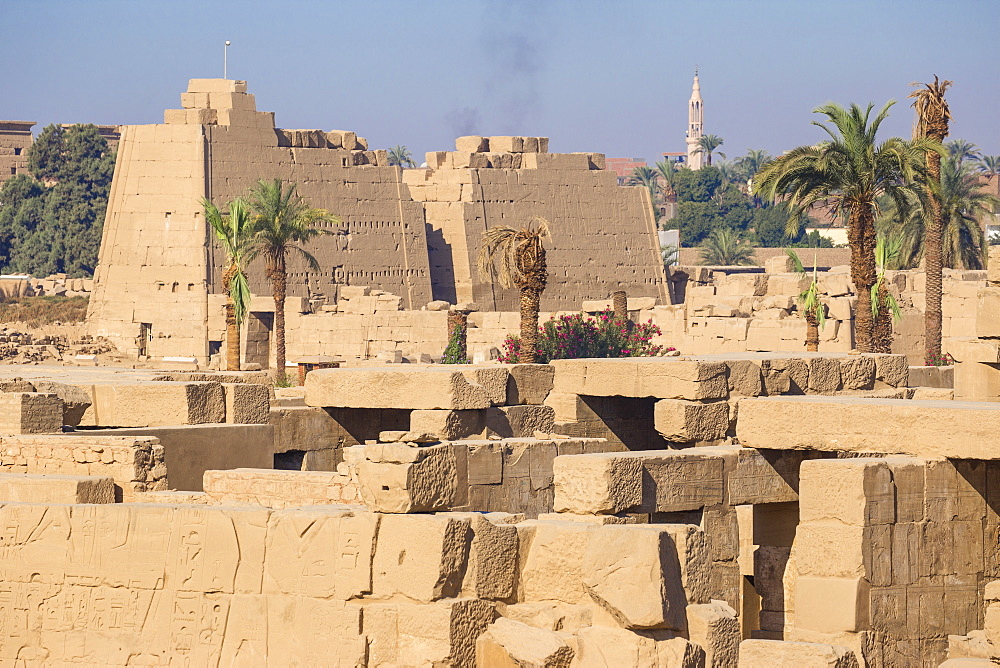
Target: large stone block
{"x":716,"y":628}
{"x":779,"y":654}
{"x":448,"y":425}
{"x":404,"y":478}
{"x":280,"y":489}
{"x":632,"y":571}
{"x":56,"y":488}
{"x":30,"y":413}
{"x":597,"y":484}
{"x":988,"y":313}
{"x":529,"y":383}
{"x":831,"y":605}
{"x":247,"y":403}
{"x":154,"y":404}
{"x":443,"y":633}
{"x":75,"y":400}
{"x":857,"y":492}
{"x":682,"y":421}
{"x":663,"y":378}
{"x":609,"y":647}
{"x":422,"y":557}
{"x":373,"y":387}
{"x":846,"y":424}
{"x":510,"y":644}
{"x":553,"y":567}
{"x":519,"y":421}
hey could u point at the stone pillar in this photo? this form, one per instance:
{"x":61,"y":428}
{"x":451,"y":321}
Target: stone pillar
{"x":619,"y":301}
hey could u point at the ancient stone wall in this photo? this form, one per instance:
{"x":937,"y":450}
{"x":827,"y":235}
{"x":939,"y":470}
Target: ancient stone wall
{"x":15,"y":140}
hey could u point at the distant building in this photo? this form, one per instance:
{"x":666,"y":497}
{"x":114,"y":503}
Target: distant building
{"x":15,"y":140}
{"x":623,"y":167}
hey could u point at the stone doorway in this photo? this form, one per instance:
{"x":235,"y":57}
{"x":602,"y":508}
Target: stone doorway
{"x":258,"y":338}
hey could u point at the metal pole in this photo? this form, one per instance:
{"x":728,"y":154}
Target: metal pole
{"x":225,"y":60}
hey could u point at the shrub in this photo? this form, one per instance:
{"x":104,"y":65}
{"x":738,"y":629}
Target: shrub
{"x":932,"y":359}
{"x":455,"y":352}
{"x":575,"y":336}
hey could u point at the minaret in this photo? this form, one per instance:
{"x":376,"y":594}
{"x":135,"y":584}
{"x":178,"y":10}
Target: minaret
{"x":696,"y":117}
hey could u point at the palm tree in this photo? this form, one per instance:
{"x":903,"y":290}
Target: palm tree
{"x":751,"y":163}
{"x":282,"y":220}
{"x":958,"y":148}
{"x":400,"y":155}
{"x":848,"y":171}
{"x":666,"y":171}
{"x":707,"y":145}
{"x":235,"y":234}
{"x":933,"y":116}
{"x":810,"y":303}
{"x":517,"y":259}
{"x":964,"y":201}
{"x":885,"y":309}
{"x":725,"y":247}
{"x":989,"y":165}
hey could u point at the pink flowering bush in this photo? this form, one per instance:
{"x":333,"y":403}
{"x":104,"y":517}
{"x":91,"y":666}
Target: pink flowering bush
{"x":574,"y":336}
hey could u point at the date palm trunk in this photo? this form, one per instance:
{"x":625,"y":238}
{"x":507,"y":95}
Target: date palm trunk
{"x":861,"y":238}
{"x":232,"y":324}
{"x":530,"y":299}
{"x":619,"y":301}
{"x":278,"y":278}
{"x":882,"y":328}
{"x":933,"y":241}
{"x":812,"y":332}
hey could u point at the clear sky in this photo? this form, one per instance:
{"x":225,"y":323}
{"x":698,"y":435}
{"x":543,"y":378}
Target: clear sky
{"x":611,"y":76}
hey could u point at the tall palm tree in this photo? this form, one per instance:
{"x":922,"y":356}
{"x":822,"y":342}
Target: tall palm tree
{"x":708,"y":144}
{"x":725,"y":247}
{"x":989,"y":165}
{"x":810,"y":302}
{"x":849,"y":171}
{"x":933,"y":116}
{"x":282,"y":221}
{"x":964,"y":201}
{"x":400,"y":155}
{"x":958,"y":148}
{"x":885,"y":308}
{"x":234,"y":231}
{"x":666,"y":171}
{"x":516,"y":258}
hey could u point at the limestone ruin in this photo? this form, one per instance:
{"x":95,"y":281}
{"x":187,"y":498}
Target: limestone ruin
{"x":743,"y":504}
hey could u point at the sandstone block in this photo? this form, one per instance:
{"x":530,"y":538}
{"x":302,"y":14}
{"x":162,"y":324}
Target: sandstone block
{"x":824,"y":375}
{"x":779,"y":264}
{"x":472,"y":144}
{"x":519,"y":421}
{"x":373,"y":387}
{"x":831,"y":605}
{"x":401,"y":478}
{"x":682,"y":421}
{"x":153,"y":404}
{"x":553,"y":566}
{"x":506,"y":144}
{"x":716,"y":628}
{"x":420,"y":556}
{"x":893,"y":370}
{"x":857,"y":372}
{"x":845,"y":424}
{"x":632,"y":571}
{"x":765,"y":477}
{"x":551,"y":615}
{"x":56,"y":488}
{"x":247,"y":403}
{"x":510,"y":644}
{"x":448,"y":425}
{"x":608,"y":647}
{"x":779,"y":654}
{"x":493,"y":558}
{"x":858,"y":492}
{"x":785,"y":376}
{"x":279,"y":488}
{"x":75,"y":400}
{"x":529,"y":384}
{"x":596,"y":484}
{"x":443,"y":633}
{"x":30,"y":413}
{"x":744,"y":377}
{"x":988,"y":312}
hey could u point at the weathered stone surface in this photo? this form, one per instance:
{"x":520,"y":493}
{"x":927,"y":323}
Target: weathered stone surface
{"x":30,"y":413}
{"x":824,"y":375}
{"x":843,"y":424}
{"x":857,"y":372}
{"x":493,"y":558}
{"x":529,"y":384}
{"x":632,"y":571}
{"x":280,"y":489}
{"x":785,"y":376}
{"x":398,"y":387}
{"x":831,"y":605}
{"x":551,"y":615}
{"x":857,"y":492}
{"x":75,"y":400}
{"x":56,"y":488}
{"x":507,"y":643}
{"x":682,"y":421}
{"x":766,"y":476}
{"x":153,"y":404}
{"x":494,"y":380}
{"x":441,"y":633}
{"x":893,"y":370}
{"x":745,"y":378}
{"x":609,"y":647}
{"x":716,"y":628}
{"x":553,"y":564}
{"x":402,"y":478}
{"x":595,"y":484}
{"x":775,"y":653}
{"x":519,"y":421}
{"x":448,"y":425}
{"x":661,"y":377}
{"x":420,"y":556}
{"x":247,"y":403}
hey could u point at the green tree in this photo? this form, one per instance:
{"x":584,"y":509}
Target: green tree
{"x":400,"y":155}
{"x":959,"y":149}
{"x":283,"y":220}
{"x":725,"y":248}
{"x":885,"y":309}
{"x":933,"y":117}
{"x":697,"y":185}
{"x":516,"y":258}
{"x":964,"y":201}
{"x":850,"y":170}
{"x":667,"y":172}
{"x":989,"y":165}
{"x":810,"y":303}
{"x":234,"y":232}
{"x":708,"y":144}
{"x":770,"y":225}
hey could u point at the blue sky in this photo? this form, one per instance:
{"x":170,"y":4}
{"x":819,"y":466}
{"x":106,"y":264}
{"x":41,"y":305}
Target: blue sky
{"x":607,"y":76}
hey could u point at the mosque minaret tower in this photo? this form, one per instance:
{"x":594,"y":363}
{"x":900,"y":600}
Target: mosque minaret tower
{"x":695,"y":130}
